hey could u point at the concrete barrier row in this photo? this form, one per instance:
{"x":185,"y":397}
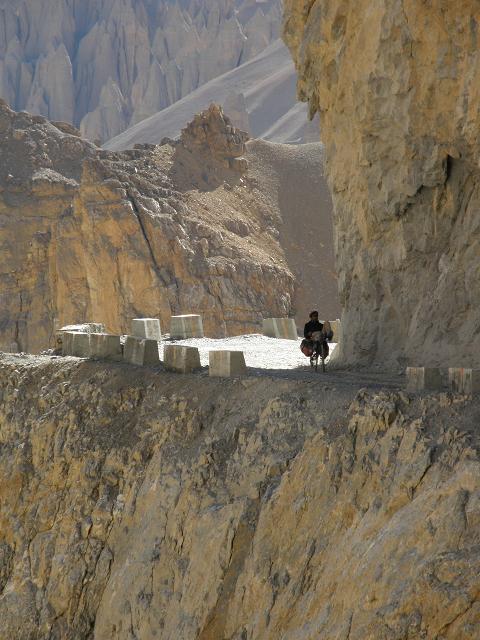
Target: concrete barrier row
{"x":144,"y":352}
{"x":460,"y":380}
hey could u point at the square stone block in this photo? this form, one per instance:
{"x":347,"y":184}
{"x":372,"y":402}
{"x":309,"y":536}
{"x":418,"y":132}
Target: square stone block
{"x":147,"y":328}
{"x":280,"y":328}
{"x":464,"y":380}
{"x":88,"y":327}
{"x":181,"y":359}
{"x":79,"y":344}
{"x":105,"y":346}
{"x":140,"y":351}
{"x":184,"y":327}
{"x":64,"y":341}
{"x":226,"y":364}
{"x":424,"y":379}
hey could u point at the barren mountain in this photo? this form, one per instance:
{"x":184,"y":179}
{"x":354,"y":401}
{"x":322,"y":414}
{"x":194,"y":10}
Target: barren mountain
{"x":105,"y":65}
{"x":259,"y":96}
{"x":203,"y":225}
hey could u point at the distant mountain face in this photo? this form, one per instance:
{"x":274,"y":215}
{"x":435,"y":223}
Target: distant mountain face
{"x":105,"y":65}
{"x":259,"y":97}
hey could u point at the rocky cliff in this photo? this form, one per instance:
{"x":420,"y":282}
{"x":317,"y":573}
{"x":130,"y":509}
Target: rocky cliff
{"x":133,"y":507}
{"x":105,"y":65}
{"x":184,"y":227}
{"x":397,"y":88}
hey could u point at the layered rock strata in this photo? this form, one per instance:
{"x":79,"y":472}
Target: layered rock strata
{"x":105,"y":65}
{"x":396,"y":85}
{"x":90,"y":234}
{"x":251,"y":510}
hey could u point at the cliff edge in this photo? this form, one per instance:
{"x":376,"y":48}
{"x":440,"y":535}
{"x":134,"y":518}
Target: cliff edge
{"x":253,"y":509}
{"x":397,"y":88}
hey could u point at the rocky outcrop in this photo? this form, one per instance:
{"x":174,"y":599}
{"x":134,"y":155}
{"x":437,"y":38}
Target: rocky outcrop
{"x":396,"y":85}
{"x":210,"y":150}
{"x":251,"y":510}
{"x":91,"y":235}
{"x":105,"y":65}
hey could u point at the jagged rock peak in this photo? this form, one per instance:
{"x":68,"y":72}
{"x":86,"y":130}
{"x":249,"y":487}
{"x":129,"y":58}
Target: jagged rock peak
{"x":212,"y":131}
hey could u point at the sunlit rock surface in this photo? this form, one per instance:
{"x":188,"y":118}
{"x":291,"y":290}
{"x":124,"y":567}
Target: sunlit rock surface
{"x":96,"y":236}
{"x":397,"y":88}
{"x":132,"y":506}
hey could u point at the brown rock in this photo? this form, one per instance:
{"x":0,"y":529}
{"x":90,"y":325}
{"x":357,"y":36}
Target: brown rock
{"x":396,"y":85}
{"x":88,"y":234}
{"x":210,"y":150}
{"x":134,"y":507}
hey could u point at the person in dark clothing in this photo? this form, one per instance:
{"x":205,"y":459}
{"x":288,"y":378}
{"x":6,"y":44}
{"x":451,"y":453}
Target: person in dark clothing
{"x":312,"y":326}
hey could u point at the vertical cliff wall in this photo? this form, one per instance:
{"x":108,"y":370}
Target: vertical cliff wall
{"x":397,"y":85}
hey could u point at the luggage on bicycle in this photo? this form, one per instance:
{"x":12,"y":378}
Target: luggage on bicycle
{"x":306,"y":347}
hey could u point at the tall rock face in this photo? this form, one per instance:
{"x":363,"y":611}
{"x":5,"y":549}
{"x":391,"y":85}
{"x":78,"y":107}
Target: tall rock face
{"x":105,"y":65}
{"x":132,"y":507}
{"x":397,"y":88}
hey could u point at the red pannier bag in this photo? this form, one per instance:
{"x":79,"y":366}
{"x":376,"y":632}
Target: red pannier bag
{"x":306,"y":347}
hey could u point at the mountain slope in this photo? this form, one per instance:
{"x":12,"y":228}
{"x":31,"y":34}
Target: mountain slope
{"x":261,"y":94}
{"x":104,"y":65}
{"x":153,"y":232}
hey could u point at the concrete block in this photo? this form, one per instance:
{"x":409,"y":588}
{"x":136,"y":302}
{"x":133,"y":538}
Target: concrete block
{"x":88,"y":327}
{"x":181,"y":359}
{"x":148,"y":328}
{"x":226,"y":364}
{"x":79,"y":344}
{"x":464,"y":380}
{"x":104,"y":346}
{"x":424,"y":379}
{"x":140,"y":351}
{"x":184,"y":327}
{"x":76,"y":343}
{"x":280,"y":328}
